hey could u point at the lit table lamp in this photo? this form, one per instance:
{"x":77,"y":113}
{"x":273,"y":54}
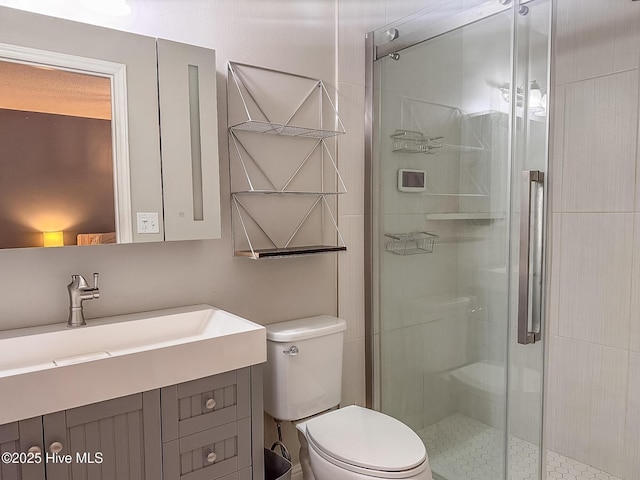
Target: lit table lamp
{"x":53,"y":239}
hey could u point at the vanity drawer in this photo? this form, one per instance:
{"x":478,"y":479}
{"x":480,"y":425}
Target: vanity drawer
{"x":205,"y":403}
{"x":215,"y":453}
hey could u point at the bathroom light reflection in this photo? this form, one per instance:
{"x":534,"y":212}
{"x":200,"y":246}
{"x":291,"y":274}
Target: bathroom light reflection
{"x":537,"y":101}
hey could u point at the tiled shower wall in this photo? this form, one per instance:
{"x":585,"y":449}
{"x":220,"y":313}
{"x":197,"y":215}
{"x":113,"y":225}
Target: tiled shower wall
{"x":593,"y":410}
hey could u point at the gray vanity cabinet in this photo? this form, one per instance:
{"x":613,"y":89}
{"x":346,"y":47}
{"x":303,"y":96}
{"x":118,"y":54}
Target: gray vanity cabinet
{"x":20,"y":437}
{"x":125,"y":431}
{"x":206,"y":425}
{"x":9,"y":442}
{"x":209,"y":428}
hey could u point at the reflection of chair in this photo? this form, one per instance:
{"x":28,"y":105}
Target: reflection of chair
{"x":96,"y":238}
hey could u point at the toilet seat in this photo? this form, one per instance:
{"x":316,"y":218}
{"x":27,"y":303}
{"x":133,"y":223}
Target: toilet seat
{"x":367,"y":442}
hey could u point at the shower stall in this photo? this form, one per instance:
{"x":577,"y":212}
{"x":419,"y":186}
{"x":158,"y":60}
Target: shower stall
{"x":456,"y":159}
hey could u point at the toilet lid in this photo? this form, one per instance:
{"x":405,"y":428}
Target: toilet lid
{"x":368,"y":439}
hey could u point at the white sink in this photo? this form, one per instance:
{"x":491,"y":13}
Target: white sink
{"x":51,"y":368}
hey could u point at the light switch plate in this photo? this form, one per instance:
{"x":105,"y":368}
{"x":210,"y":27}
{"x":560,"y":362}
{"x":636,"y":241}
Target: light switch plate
{"x":148,"y":222}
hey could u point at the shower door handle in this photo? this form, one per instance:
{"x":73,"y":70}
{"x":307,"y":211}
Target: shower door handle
{"x":530,"y":265}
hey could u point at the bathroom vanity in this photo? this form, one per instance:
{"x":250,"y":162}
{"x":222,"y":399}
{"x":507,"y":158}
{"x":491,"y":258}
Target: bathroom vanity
{"x":119,"y":410}
{"x":205,"y":428}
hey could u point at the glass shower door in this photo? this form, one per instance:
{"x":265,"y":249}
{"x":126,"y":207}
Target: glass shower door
{"x":451,"y":138}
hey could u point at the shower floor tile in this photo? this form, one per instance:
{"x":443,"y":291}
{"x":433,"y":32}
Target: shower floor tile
{"x":461,"y":448}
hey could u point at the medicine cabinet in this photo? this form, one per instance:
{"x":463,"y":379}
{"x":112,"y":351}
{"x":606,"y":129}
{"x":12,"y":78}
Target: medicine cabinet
{"x":158,"y":176}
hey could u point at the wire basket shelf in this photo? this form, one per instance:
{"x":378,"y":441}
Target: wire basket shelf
{"x":405,"y":141}
{"x":412,"y":243}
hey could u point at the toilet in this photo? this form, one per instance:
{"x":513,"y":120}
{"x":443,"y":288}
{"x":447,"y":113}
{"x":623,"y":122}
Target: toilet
{"x":303,"y":384}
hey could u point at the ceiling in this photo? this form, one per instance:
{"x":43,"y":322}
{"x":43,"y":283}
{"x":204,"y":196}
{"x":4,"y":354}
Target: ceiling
{"x":47,"y":90}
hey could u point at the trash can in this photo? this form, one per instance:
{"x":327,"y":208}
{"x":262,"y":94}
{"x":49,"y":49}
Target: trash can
{"x":275,"y":466}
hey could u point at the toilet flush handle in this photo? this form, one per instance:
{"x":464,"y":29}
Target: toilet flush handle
{"x":293,"y":351}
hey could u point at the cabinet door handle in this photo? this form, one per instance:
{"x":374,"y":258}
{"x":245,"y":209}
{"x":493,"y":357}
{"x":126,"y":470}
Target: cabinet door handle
{"x":211,"y":458}
{"x":56,"y":447}
{"x":35,"y":449}
{"x":210,"y":404}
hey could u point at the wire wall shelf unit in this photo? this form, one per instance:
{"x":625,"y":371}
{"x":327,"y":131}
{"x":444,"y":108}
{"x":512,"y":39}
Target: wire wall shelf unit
{"x":283,"y":173}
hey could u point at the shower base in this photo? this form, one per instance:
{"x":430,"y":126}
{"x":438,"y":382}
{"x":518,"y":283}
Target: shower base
{"x":461,"y":448}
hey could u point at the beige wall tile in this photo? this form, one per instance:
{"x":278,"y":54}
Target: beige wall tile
{"x":632,"y":431}
{"x":637,"y":209}
{"x":351,"y":148}
{"x":596,"y":37}
{"x":553,"y":275}
{"x":353,"y":379}
{"x":551,"y":405}
{"x":608,"y":410}
{"x":576,"y":363}
{"x":590,"y":403}
{"x":351,"y":275}
{"x":397,"y":9}
{"x":355,"y":19}
{"x":557,"y":149}
{"x":595,"y":277}
{"x":634,"y":321}
{"x":600,"y":137}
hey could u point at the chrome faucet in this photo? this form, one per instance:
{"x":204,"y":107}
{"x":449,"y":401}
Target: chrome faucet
{"x":80,"y":290}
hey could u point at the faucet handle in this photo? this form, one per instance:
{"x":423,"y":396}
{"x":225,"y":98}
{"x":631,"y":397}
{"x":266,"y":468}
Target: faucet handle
{"x":95,"y":280}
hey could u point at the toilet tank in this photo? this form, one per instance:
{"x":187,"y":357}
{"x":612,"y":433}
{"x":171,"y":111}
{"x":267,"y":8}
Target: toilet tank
{"x":303,"y":375}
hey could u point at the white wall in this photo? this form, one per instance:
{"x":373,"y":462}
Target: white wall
{"x":279,"y":34}
{"x":594,"y":364}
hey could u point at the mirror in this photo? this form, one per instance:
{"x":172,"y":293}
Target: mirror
{"x":80,"y":154}
{"x":56,"y":128}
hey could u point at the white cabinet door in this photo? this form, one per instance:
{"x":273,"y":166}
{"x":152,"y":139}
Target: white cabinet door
{"x":189,"y":141}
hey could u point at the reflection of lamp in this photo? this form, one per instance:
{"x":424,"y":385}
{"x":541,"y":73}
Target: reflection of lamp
{"x":535,"y":95}
{"x":53,"y":239}
{"x":537,"y":101}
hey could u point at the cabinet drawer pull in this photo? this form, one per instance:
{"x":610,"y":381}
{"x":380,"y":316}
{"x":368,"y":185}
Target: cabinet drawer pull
{"x":211,"y":458}
{"x":211,"y":403}
{"x":35,"y":449}
{"x":56,"y":447}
